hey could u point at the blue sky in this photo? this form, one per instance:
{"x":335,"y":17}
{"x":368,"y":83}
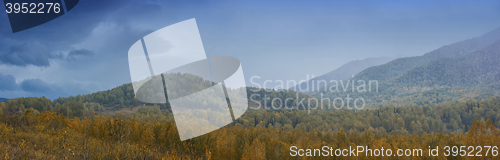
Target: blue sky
{"x":85,"y":50}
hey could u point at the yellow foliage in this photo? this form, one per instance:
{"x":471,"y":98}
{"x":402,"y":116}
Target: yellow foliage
{"x":50,"y":136}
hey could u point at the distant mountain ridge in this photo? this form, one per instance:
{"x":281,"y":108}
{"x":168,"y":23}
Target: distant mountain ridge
{"x":452,"y":73}
{"x":477,"y":68}
{"x":401,"y":65}
{"x":344,"y":72}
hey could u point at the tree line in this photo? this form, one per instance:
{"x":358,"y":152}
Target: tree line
{"x":54,"y":136}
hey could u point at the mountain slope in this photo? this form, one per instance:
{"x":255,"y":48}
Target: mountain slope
{"x":477,"y":68}
{"x":401,"y":65}
{"x":472,"y":76}
{"x":344,"y":72}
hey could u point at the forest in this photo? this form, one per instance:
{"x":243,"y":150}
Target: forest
{"x":38,"y":128}
{"x":451,"y":117}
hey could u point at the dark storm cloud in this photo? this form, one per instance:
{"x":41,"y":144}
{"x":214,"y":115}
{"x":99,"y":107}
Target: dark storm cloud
{"x":74,"y":54}
{"x":37,"y":54}
{"x":36,"y":86}
{"x":7,"y":82}
{"x":94,"y":38}
{"x":31,"y":53}
{"x":49,"y":40}
{"x":80,"y":52}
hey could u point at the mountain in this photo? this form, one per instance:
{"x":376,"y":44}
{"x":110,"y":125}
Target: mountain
{"x":465,"y":70}
{"x":478,"y":68}
{"x":472,"y":76}
{"x":401,"y":65}
{"x":344,"y":72}
{"x":3,"y":99}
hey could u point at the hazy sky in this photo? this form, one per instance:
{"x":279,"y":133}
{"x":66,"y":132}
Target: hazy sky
{"x":85,"y":50}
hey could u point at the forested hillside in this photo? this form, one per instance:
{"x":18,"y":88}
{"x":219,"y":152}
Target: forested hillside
{"x":472,"y":76}
{"x":451,"y":117}
{"x":263,"y":134}
{"x":478,"y":68}
{"x":401,"y":65}
{"x":122,"y":98}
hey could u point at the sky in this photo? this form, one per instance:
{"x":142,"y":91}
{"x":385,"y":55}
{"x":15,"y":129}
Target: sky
{"x":86,"y":49}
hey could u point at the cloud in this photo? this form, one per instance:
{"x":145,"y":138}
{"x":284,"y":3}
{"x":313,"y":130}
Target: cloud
{"x":72,"y":55}
{"x":7,"y":82}
{"x":37,"y":54}
{"x":80,"y":52}
{"x":39,"y":45}
{"x":31,"y":53}
{"x":36,"y":86}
